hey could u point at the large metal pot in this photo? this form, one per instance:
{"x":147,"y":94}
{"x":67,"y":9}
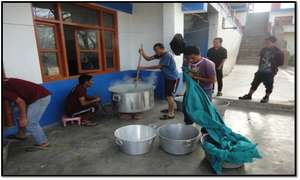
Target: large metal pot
{"x":131,"y":99}
{"x":221,"y":105}
{"x":178,"y":138}
{"x":135,"y":139}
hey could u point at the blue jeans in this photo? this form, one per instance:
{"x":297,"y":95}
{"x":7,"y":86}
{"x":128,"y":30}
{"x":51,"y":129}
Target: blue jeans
{"x":209,"y":93}
{"x":34,"y":115}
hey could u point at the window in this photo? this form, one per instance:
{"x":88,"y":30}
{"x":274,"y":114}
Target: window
{"x":74,"y":39}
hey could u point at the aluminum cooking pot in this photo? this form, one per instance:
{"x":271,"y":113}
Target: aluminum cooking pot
{"x":135,"y":139}
{"x":178,"y":138}
{"x":133,"y":100}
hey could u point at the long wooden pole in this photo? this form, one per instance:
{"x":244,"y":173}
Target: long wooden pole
{"x":138,"y":69}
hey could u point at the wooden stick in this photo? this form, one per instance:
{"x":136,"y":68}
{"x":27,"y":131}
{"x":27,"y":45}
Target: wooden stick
{"x":138,"y":69}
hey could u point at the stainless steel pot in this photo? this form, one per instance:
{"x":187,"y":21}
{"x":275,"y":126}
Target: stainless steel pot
{"x":225,"y":165}
{"x":132,"y":100}
{"x":221,"y":105}
{"x":135,"y":139}
{"x":178,"y":138}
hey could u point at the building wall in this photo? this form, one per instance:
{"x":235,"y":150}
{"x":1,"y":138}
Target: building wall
{"x":143,"y":26}
{"x":20,"y":55}
{"x":290,"y":40}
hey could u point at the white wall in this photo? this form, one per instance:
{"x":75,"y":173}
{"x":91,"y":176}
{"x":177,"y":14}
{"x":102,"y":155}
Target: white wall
{"x":290,"y":40}
{"x":144,"y":25}
{"x":173,"y":22}
{"x":274,"y":14}
{"x":20,"y":55}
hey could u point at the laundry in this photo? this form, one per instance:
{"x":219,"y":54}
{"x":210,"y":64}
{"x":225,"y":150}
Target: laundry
{"x":227,"y":146}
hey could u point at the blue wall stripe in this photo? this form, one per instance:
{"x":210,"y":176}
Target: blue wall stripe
{"x":125,"y":7}
{"x":194,"y":7}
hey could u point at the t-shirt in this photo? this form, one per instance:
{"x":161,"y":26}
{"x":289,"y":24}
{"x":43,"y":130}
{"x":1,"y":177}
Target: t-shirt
{"x":204,"y":68}
{"x":270,"y":59}
{"x":168,"y":66}
{"x":26,"y":90}
{"x":217,"y":55}
{"x":73,"y":104}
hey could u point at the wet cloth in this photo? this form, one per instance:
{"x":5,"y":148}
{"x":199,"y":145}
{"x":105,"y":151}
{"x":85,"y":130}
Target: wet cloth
{"x":228,"y":146}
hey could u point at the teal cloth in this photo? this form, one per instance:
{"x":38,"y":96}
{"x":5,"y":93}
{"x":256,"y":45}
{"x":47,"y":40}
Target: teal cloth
{"x":224,"y":145}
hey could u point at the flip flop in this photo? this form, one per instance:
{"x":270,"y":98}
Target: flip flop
{"x":14,"y":137}
{"x":166,"y":117}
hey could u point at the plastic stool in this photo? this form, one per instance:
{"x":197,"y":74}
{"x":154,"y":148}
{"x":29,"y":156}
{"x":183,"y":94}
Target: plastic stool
{"x":66,"y":119}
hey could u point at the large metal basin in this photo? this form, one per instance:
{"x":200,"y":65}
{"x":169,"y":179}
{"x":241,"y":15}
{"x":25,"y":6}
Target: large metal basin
{"x":178,"y":138}
{"x":135,"y":139}
{"x":129,"y":99}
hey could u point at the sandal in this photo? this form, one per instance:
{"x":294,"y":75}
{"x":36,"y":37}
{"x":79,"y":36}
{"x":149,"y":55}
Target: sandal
{"x":166,"y":117}
{"x":14,"y":137}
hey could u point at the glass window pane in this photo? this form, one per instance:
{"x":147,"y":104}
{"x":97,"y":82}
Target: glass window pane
{"x":87,"y":39}
{"x":46,"y":37}
{"x":108,"y":40}
{"x":109,"y":59}
{"x":108,"y":20}
{"x":49,"y":63}
{"x":89,"y":60}
{"x":44,"y":10}
{"x":77,"y":14}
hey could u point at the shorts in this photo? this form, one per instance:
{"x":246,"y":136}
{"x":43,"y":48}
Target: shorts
{"x":266,"y":78}
{"x":170,"y":87}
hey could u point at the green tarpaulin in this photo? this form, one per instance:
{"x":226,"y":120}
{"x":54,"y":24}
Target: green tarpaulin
{"x":225,"y":145}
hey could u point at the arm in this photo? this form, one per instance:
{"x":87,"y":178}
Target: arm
{"x":224,"y":58}
{"x":210,"y":79}
{"x":22,"y":108}
{"x":84,"y":102}
{"x":145,"y":56}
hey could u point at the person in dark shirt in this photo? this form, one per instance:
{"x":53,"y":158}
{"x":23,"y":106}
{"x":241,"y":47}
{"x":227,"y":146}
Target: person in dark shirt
{"x":271,"y":58}
{"x":168,"y":67}
{"x":32,"y":101}
{"x":218,"y":55}
{"x":79,"y":103}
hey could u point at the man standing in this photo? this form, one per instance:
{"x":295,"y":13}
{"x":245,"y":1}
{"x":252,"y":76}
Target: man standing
{"x":32,"y":101}
{"x":271,"y":58}
{"x":168,"y":67}
{"x":218,"y":55}
{"x":79,"y":103}
{"x":201,"y":69}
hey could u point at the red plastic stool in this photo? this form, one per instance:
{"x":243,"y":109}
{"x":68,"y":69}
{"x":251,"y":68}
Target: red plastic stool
{"x":66,"y":119}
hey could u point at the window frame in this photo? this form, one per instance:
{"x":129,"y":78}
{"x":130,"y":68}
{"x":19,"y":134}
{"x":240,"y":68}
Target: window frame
{"x":61,"y":45}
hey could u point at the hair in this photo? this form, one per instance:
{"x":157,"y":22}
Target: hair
{"x":273,"y":39}
{"x":191,"y":50}
{"x":219,"y":39}
{"x":84,"y":78}
{"x":159,"y":45}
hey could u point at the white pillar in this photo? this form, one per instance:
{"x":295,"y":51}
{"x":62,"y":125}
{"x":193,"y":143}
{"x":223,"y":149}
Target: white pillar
{"x":173,"y":22}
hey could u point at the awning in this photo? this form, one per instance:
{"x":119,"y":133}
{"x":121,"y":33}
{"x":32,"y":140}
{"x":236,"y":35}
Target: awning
{"x":194,"y":7}
{"x":124,"y":7}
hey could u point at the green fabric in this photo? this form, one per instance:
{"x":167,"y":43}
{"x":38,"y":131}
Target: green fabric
{"x":224,"y":145}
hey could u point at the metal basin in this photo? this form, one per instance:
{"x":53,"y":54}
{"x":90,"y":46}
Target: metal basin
{"x":178,"y":138}
{"x":221,"y":105}
{"x":179,"y":102}
{"x":135,"y":139}
{"x":225,"y":165}
{"x":131,"y":99}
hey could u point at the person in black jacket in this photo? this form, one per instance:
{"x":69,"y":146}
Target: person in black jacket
{"x":271,"y":57}
{"x":218,"y":55}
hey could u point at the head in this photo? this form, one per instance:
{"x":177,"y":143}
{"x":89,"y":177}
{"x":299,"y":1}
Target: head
{"x":192,"y":54}
{"x":217,"y":42}
{"x":159,"y":49}
{"x":85,"y":80}
{"x":270,"y":41}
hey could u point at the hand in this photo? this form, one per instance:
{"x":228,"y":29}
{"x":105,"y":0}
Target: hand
{"x":141,"y":67}
{"x":97,"y":99}
{"x":219,"y":67}
{"x":22,"y":121}
{"x":141,"y":51}
{"x":192,"y":75}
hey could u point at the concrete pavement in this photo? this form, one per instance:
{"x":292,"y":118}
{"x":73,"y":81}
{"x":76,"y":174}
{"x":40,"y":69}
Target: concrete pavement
{"x":237,"y":83}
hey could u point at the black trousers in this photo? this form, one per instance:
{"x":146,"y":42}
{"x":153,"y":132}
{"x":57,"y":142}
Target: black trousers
{"x":219,"y":74}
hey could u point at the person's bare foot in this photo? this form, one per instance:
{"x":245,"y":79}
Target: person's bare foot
{"x":44,"y":145}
